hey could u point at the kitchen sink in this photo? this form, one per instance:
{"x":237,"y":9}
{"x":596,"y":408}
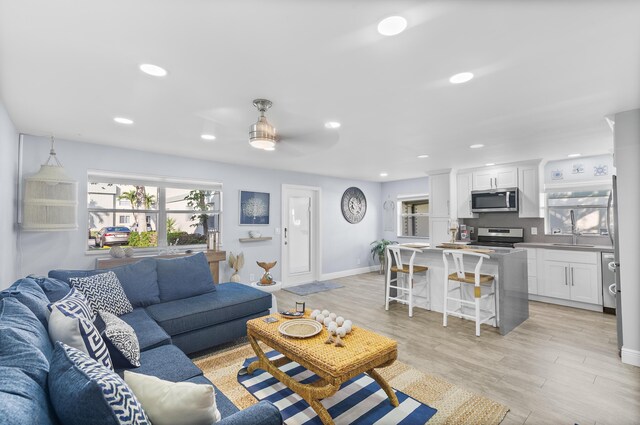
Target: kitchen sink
{"x":576,"y":245}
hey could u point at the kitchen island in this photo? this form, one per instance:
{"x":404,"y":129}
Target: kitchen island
{"x":508,"y":266}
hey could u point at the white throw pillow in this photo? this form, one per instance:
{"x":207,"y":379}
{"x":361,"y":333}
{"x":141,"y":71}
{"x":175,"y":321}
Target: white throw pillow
{"x":174,"y":403}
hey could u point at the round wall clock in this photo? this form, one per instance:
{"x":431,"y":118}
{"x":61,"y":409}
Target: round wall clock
{"x":354,"y":205}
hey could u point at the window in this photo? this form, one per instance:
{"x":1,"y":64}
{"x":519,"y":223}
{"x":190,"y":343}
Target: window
{"x":157,"y":212}
{"x":589,"y":209}
{"x":413,"y":217}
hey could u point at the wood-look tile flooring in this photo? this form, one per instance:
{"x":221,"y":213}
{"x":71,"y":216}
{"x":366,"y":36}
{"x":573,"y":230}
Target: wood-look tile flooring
{"x":559,"y":367}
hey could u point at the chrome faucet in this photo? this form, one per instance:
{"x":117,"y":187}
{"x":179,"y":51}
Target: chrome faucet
{"x":574,"y":230}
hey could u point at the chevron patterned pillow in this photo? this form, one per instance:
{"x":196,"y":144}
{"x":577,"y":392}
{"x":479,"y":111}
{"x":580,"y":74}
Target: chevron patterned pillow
{"x":83,"y":391}
{"x":104,"y":292}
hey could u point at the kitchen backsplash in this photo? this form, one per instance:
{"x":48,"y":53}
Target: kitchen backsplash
{"x":512,"y":220}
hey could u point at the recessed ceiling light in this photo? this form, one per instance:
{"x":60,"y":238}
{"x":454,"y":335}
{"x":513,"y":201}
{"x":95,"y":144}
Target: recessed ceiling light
{"x":463,"y":77}
{"x":393,"y":25}
{"x":153,"y":70}
{"x":574,"y":155}
{"x":383,"y":174}
{"x":332,"y":124}
{"x":477,"y":146}
{"x":423,"y":156}
{"x":489,"y":164}
{"x":208,"y":137}
{"x":123,"y":120}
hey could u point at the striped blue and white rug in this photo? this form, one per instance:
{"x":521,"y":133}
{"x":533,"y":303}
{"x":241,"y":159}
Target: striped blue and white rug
{"x":359,"y":401}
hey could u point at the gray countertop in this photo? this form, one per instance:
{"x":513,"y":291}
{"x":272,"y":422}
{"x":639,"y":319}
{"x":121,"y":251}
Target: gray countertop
{"x":594,"y":248}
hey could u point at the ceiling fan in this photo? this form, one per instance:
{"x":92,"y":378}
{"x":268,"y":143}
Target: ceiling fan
{"x":262,"y":135}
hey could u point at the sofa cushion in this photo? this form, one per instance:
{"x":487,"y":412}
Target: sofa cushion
{"x":54,"y":289}
{"x":230,"y":301}
{"x":17,"y":352}
{"x":29,"y":293}
{"x":83,"y":391}
{"x":167,"y":362}
{"x":22,"y":400}
{"x":103,"y":292}
{"x":139,"y":280}
{"x":120,"y":338}
{"x":16,"y":316}
{"x":184,"y":277}
{"x":150,"y":334}
{"x":68,"y":323}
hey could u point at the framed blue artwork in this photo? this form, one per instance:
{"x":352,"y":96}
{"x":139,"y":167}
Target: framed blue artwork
{"x":254,"y":208}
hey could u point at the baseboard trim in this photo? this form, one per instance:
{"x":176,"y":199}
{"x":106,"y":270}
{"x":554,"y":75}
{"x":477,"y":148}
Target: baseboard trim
{"x":630,"y":356}
{"x":566,"y":303}
{"x":352,"y":272}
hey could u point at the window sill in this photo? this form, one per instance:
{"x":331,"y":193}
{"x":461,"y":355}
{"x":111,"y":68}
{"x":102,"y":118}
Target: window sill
{"x":147,"y":252}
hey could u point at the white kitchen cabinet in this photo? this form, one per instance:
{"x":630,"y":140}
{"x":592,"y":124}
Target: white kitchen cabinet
{"x":532,"y":270}
{"x":439,"y":202}
{"x":495,"y":178}
{"x":439,"y":228}
{"x":556,"y":280}
{"x":584,"y":283}
{"x":570,"y":275}
{"x":463,"y":194}
{"x":529,"y":185}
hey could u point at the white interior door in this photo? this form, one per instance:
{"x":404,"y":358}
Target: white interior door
{"x":300,"y":240}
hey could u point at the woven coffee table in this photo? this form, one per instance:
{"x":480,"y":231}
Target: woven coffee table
{"x":364,"y":351}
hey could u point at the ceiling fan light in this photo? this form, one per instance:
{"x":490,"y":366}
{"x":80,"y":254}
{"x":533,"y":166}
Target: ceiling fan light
{"x":265,"y":144}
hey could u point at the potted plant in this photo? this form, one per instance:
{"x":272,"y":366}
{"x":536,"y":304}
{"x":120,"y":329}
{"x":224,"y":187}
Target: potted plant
{"x":378,"y":249}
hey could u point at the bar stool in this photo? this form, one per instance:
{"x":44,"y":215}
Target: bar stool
{"x":478,"y":280}
{"x":404,"y":277}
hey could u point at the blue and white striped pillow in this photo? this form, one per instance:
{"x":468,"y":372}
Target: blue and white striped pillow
{"x":70,"y":322}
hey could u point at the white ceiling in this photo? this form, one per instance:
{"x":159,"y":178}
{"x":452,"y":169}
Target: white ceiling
{"x":547,"y":72}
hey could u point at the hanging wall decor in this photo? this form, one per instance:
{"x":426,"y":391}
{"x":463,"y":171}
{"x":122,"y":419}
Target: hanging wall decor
{"x":50,"y":198}
{"x":354,"y":205}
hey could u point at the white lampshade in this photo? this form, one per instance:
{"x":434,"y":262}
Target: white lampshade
{"x":50,"y":199}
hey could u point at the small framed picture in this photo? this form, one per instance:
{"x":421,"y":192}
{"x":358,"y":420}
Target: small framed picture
{"x":254,"y":208}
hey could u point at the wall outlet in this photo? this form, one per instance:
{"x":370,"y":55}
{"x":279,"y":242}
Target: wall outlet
{"x":277,"y":230}
{"x":252,"y":277}
{"x":534,"y":230}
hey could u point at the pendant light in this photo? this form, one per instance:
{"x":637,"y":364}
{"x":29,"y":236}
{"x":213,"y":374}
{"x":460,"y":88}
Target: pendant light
{"x":50,"y":198}
{"x":262,"y":135}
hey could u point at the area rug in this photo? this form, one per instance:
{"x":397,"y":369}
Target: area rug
{"x":313,"y":287}
{"x":359,"y":401}
{"x":454,"y":405}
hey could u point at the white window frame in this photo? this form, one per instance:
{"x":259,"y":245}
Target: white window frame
{"x":162,"y":183}
{"x":401,"y":216}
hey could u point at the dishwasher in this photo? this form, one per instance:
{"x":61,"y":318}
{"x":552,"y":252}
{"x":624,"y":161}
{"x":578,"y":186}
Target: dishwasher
{"x":608,"y":284}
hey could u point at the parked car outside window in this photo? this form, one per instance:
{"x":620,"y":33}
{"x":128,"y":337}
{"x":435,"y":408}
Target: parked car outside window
{"x":112,"y":236}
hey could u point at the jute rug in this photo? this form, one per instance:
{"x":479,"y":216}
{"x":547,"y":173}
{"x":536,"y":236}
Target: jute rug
{"x":455,"y":405}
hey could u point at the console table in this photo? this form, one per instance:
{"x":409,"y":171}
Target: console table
{"x":213,"y":258}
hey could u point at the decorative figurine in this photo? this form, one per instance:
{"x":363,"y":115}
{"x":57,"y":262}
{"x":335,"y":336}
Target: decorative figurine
{"x":266,"y":278}
{"x":236,"y":263}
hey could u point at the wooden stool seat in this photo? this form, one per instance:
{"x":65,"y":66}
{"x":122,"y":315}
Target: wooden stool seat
{"x":485,"y":279}
{"x":405,"y":269}
{"x":403,"y":282}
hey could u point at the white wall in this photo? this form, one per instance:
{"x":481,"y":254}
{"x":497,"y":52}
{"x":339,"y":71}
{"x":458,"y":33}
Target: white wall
{"x":390,"y":192}
{"x":343,"y":244}
{"x":8,"y":191}
{"x":627,"y":156}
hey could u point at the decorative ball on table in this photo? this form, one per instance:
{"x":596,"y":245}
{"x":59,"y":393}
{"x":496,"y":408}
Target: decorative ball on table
{"x":320,"y":318}
{"x":340,"y":320}
{"x":332,"y":327}
{"x":314,"y":314}
{"x":326,"y":313}
{"x":116,"y":252}
{"x":333,"y":316}
{"x":340,"y":331}
{"x":347,"y":325}
{"x":327,"y":320}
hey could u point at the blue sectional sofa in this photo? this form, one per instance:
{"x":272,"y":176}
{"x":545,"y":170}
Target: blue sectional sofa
{"x":165,"y":327}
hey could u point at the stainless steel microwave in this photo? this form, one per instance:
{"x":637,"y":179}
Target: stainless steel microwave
{"x":496,"y":200}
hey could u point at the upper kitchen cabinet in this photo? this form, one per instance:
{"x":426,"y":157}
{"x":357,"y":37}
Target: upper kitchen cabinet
{"x":529,"y":185}
{"x":495,"y":178}
{"x":439,"y":195}
{"x":463,"y":194}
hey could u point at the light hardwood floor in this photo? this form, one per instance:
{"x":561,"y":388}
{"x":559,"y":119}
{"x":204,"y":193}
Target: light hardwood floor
{"x":559,"y":367}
